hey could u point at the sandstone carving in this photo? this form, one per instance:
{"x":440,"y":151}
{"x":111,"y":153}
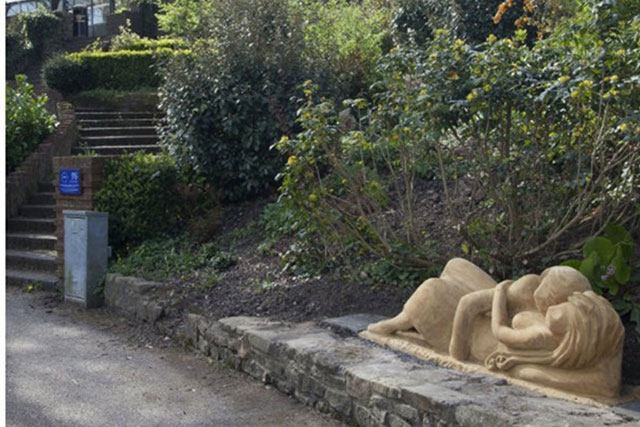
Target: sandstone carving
{"x":548,"y":329}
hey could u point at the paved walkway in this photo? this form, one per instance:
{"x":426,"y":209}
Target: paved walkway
{"x":69,"y":367}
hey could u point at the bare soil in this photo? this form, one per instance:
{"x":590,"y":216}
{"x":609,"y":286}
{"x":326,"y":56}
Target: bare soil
{"x":256,"y":285}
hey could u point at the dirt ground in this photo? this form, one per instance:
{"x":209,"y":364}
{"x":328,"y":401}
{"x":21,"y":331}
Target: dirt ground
{"x":256,"y":286}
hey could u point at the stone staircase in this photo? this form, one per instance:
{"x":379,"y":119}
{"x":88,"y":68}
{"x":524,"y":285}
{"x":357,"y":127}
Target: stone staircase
{"x":31,"y":236}
{"x":30,"y":242}
{"x":105,"y":132}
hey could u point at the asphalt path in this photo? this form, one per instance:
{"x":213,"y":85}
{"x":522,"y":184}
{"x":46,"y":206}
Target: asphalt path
{"x":70,"y":367}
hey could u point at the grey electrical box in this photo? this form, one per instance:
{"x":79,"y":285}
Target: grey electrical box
{"x":86,"y":252}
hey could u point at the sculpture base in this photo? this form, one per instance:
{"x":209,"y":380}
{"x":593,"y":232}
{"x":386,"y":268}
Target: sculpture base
{"x":410,"y":343}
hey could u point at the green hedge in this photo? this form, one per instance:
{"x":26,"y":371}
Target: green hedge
{"x":153,"y":44}
{"x":122,"y":70}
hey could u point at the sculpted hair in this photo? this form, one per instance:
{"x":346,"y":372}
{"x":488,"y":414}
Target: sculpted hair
{"x":560,"y":282}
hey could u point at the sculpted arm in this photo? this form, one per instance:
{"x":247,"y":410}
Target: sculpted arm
{"x":468,"y":309}
{"x":533,"y":337}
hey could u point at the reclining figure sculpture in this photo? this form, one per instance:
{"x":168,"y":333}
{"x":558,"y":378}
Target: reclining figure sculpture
{"x":549,"y":329}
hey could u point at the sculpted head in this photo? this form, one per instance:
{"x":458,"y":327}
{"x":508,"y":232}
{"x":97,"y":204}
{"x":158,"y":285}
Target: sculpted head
{"x":557,"y":284}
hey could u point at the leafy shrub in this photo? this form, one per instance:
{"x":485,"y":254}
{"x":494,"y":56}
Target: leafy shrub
{"x":417,"y":19}
{"x":140,"y":192}
{"x":476,"y":19}
{"x":150,"y":44}
{"x":29,"y":36}
{"x":350,"y":187}
{"x":225,"y":106}
{"x":27,"y":122}
{"x":67,"y":74}
{"x":471,"y":20}
{"x":536,"y":147}
{"x":185,"y":18}
{"x":343,"y":42}
{"x":546,"y":144}
{"x":17,"y":51}
{"x":129,"y":40}
{"x":608,"y":263}
{"x":124,"y":70}
{"x":43,"y":29}
{"x":120,"y":70}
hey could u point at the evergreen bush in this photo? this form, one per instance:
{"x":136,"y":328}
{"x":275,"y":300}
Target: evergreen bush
{"x":146,"y":195}
{"x":226,"y":104}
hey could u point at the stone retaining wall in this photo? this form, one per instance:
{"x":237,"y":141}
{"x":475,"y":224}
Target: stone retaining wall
{"x":23,"y":182}
{"x":356,"y":381}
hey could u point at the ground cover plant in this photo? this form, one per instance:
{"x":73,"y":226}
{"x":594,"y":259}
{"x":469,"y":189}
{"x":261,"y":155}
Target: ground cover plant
{"x":27,"y":121}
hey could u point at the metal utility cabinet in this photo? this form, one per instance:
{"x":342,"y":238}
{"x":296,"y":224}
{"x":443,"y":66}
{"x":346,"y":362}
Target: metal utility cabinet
{"x":86,"y":252}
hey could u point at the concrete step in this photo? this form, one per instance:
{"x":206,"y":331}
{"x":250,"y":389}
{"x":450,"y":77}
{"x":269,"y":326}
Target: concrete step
{"x":42,"y":261}
{"x":38,"y":211}
{"x":46,"y":187}
{"x":97,"y":123}
{"x":31,"y":225}
{"x":111,"y":115}
{"x":116,"y":149}
{"x":94,"y":109}
{"x":30,"y":241}
{"x":126,"y":130}
{"x":108,"y":141}
{"x":48,"y":281}
{"x":42,"y":199}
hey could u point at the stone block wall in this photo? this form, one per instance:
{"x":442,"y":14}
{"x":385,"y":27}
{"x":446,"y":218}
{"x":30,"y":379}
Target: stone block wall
{"x":23,"y":182}
{"x":91,"y":173}
{"x":356,"y":381}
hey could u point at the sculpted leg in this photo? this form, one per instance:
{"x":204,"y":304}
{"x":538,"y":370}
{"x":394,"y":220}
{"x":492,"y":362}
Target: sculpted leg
{"x":385,"y":327}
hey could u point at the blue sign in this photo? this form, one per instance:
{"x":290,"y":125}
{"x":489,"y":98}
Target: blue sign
{"x":70,"y":181}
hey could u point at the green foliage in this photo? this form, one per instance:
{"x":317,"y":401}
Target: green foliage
{"x":42,"y":28}
{"x":608,"y":263}
{"x":417,"y":19}
{"x":164,"y":258}
{"x":67,"y":74}
{"x":122,"y":70}
{"x":225,"y":105}
{"x":351,"y":188}
{"x":140,"y":192}
{"x":471,"y":20}
{"x":129,"y":40}
{"x":35,"y":286}
{"x":150,"y":44}
{"x":343,"y":42}
{"x":29,"y":37}
{"x":17,"y":51}
{"x":476,"y":19}
{"x":546,"y":142}
{"x":27,"y":122}
{"x":536,"y":147}
{"x":185,"y":18}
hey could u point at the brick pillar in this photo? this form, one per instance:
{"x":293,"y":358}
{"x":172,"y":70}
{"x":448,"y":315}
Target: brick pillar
{"x":91,"y":173}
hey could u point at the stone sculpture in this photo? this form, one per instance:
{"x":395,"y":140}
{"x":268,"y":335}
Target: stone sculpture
{"x":549,"y":329}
